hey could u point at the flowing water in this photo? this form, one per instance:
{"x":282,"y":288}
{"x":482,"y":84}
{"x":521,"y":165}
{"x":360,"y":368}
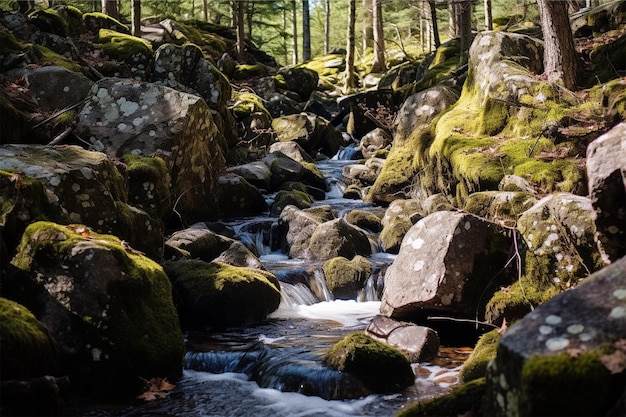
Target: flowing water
{"x":275,"y":369}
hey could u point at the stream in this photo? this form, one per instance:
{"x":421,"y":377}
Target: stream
{"x":274,"y":369}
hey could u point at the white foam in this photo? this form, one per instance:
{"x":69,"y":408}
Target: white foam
{"x":348,"y":313}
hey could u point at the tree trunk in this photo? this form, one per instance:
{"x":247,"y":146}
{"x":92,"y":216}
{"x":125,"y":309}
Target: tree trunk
{"x":434,"y":24}
{"x":379,"y":64}
{"x":306,"y":31}
{"x":109,"y":7}
{"x":461,"y":25}
{"x":350,"y":81}
{"x":136,"y":18}
{"x":327,"y":27}
{"x":488,"y":16}
{"x":249,"y":9}
{"x":368,"y":26}
{"x":205,"y":9}
{"x":559,"y":57}
{"x":238,"y":6}
{"x":295,"y":32}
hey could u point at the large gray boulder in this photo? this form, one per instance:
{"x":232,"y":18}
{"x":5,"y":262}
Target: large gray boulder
{"x":606,"y":171}
{"x":295,"y":228}
{"x":417,"y":343}
{"x":133,"y":117}
{"x":338,"y":238}
{"x":446,"y":264}
{"x":568,"y":356}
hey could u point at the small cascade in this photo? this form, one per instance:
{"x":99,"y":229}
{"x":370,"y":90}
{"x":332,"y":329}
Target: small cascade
{"x":318,"y":285}
{"x":296,"y":295}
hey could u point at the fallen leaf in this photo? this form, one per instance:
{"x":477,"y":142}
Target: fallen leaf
{"x":574,"y":352}
{"x":615,"y":362}
{"x":155,"y":388}
{"x":503,"y":328}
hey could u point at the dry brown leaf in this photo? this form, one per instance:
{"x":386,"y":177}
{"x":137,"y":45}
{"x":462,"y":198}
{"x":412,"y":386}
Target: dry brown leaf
{"x":615,"y":362}
{"x":503,"y":328}
{"x":155,"y":388}
{"x":574,"y":352}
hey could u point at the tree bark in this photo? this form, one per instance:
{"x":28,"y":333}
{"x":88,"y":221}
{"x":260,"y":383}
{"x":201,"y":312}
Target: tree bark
{"x":350,"y":81}
{"x":295,"y":32}
{"x":368,"y":26}
{"x":488,"y":16}
{"x":306,"y":31}
{"x":327,"y":27}
{"x":205,"y":9}
{"x":238,"y":8}
{"x":434,"y":24}
{"x":136,"y":18}
{"x":559,"y":57}
{"x":379,"y":64}
{"x":109,"y":7}
{"x":461,"y":25}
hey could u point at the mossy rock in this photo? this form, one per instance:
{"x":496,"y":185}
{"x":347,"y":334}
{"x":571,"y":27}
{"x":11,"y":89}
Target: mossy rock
{"x":345,"y":278}
{"x":123,"y":47}
{"x":28,"y":349}
{"x":247,"y":103}
{"x":500,"y":206}
{"x":49,"y":20}
{"x":466,"y":399}
{"x":74,"y":18}
{"x":475,"y":366}
{"x":609,"y":60}
{"x":96,"y":21}
{"x":8,"y":42}
{"x":365,"y":220}
{"x":47,"y":56}
{"x":245,"y":71}
{"x":218,"y":294}
{"x":442,"y":67}
{"x":148,"y":184}
{"x":292,"y":197}
{"x":380,"y":367}
{"x":338,"y":238}
{"x":352,"y":192}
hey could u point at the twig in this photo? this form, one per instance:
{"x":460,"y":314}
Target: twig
{"x":60,"y":112}
{"x":484,"y":323}
{"x":60,"y":137}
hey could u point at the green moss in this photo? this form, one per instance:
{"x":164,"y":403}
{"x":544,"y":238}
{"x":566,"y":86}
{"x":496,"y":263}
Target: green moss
{"x":97,"y":20}
{"x":444,"y":64}
{"x":49,"y":20}
{"x":475,"y":366}
{"x":521,"y":297}
{"x":380,"y":367}
{"x":121,"y":46}
{"x":345,"y":278}
{"x":291,"y":197}
{"x":8,"y":42}
{"x":464,"y":399}
{"x":148,"y":183}
{"x":49,"y":57}
{"x":247,"y":103}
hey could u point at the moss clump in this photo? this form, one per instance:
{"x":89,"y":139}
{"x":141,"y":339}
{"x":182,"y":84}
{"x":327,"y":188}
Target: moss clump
{"x":519,"y":299}
{"x":346,"y":278}
{"x":380,"y":367}
{"x":445,"y":62}
{"x":95,"y":21}
{"x":148,"y":184}
{"x":8,"y":42}
{"x":365,"y":220}
{"x":247,"y":103}
{"x":121,"y":46}
{"x":475,"y":366}
{"x":49,"y":20}
{"x":466,"y":399}
{"x":245,"y":71}
{"x":285,"y":198}
{"x":223,"y":295}
{"x":26,"y":346}
{"x":49,"y":57}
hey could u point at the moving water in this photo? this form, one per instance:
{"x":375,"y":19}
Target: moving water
{"x":275,"y":369}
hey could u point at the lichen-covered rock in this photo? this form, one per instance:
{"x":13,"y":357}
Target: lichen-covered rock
{"x":218,"y":294}
{"x":475,"y":366}
{"x":345,"y":278}
{"x":374,"y":141}
{"x":558,"y":247}
{"x":380,"y":367}
{"x":28,"y":349}
{"x":123,"y":116}
{"x":606,"y":170}
{"x":148,"y":184}
{"x":567,"y":357}
{"x":300,"y":80}
{"x":502,"y":207}
{"x":68,"y":184}
{"x":133,"y":51}
{"x":338,"y":238}
{"x":116,"y":320}
{"x":447,"y":262}
{"x":238,"y":198}
{"x":315,"y":134}
{"x":417,"y":343}
{"x":399,"y":217}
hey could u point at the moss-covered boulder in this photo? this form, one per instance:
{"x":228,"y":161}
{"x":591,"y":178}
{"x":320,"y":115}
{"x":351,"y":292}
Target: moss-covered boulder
{"x":239,"y":198}
{"x":296,"y":198}
{"x":365,"y":220}
{"x":196,"y":242}
{"x":417,"y":343}
{"x":466,"y":399}
{"x":567,"y":357}
{"x":133,"y":51}
{"x":338,"y":238}
{"x":96,"y":21}
{"x":345,"y":278}
{"x":295,"y":228}
{"x":447,"y":264}
{"x":122,"y":117}
{"x":218,"y":294}
{"x":380,"y":367}
{"x":475,"y":367}
{"x":112,"y":311}
{"x":148,"y":184}
{"x":352,"y":192}
{"x":315,"y":134}
{"x":28,"y":349}
{"x":68,"y":184}
{"x":502,"y":207}
{"x":300,"y":80}
{"x":49,"y":20}
{"x":399,"y":217}
{"x":559,"y":248}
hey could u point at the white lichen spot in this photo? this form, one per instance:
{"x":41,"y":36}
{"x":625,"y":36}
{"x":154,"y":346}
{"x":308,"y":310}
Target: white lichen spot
{"x":54,"y":181}
{"x":87,"y":172}
{"x":66,"y":89}
{"x":122,"y":127}
{"x":137,"y":121}
{"x":417,"y":243}
{"x":500,"y":399}
{"x":503,"y":382}
{"x":557,"y":343}
{"x":467,"y":225}
{"x":76,"y":187}
{"x":618,"y":313}
{"x":575,"y":328}
{"x":620,"y":293}
{"x":102,"y":92}
{"x":585,"y":337}
{"x":75,"y":217}
{"x":95,"y":354}
{"x":553,"y":320}
{"x":543,"y":329}
{"x":418,"y":266}
{"x":152,"y":133}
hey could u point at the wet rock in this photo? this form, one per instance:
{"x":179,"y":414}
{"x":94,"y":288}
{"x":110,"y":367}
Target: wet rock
{"x":295,"y":228}
{"x":218,"y":294}
{"x":352,"y":192}
{"x":465,"y":399}
{"x":112,"y":314}
{"x":41,"y":396}
{"x":256,"y":173}
{"x":345,"y":278}
{"x":399,"y":217}
{"x":567,"y":356}
{"x":417,"y":343}
{"x":238,"y":254}
{"x":196,"y":242}
{"x":338,"y":238}
{"x":606,"y":170}
{"x":284,"y":198}
{"x":380,"y":367}
{"x":313,"y":133}
{"x":238,"y":198}
{"x":446,"y":264}
{"x":145,"y":119}
{"x":558,"y":247}
{"x":365,"y":220}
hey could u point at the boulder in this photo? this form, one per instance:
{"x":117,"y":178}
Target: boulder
{"x":446,"y":264}
{"x":284,"y":198}
{"x":338,"y":238}
{"x":292,"y":150}
{"x":256,"y":173}
{"x":313,"y":133}
{"x":568,"y":356}
{"x":346,"y":278}
{"x":217,"y":294}
{"x":134,"y":54}
{"x":365,"y":220}
{"x":145,"y":119}
{"x":111,"y":309}
{"x":417,"y":343}
{"x":399,"y":217}
{"x":558,"y":247}
{"x":373,"y":141}
{"x":352,"y":192}
{"x":68,"y":184}
{"x":149,"y":185}
{"x":502,"y":207}
{"x":196,"y":242}
{"x":238,"y":254}
{"x":280,"y":105}
{"x":380,"y":367}
{"x":300,"y":80}
{"x":295,"y":228}
{"x":96,"y":21}
{"x":238,"y":198}
{"x":375,"y":103}
{"x":606,"y":171}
